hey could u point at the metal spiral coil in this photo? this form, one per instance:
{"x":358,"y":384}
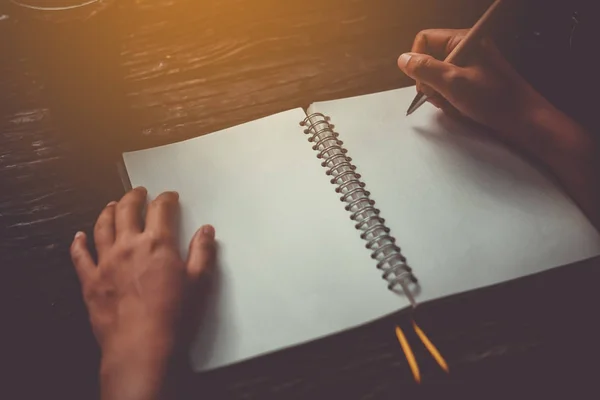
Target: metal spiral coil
{"x":358,"y":202}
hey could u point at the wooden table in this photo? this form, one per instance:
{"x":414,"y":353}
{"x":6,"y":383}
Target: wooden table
{"x":75,"y":95}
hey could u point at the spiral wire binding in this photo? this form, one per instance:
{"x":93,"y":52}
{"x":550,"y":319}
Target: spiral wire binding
{"x":358,"y":202}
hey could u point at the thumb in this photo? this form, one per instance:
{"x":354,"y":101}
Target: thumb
{"x":202,"y":252}
{"x":429,"y":71}
{"x":82,"y":260}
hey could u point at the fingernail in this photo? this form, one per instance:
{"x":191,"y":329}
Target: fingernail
{"x":78,"y":235}
{"x":112,"y":203}
{"x":141,"y":189}
{"x":174,"y":193}
{"x":208,"y":230}
{"x":404,"y":59}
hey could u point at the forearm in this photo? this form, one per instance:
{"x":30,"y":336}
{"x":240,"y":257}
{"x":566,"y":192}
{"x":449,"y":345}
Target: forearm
{"x":570,"y":153}
{"x":127,"y":373}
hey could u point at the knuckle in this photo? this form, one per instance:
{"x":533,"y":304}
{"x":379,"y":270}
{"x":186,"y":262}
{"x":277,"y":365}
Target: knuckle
{"x":455,"y":80}
{"x":165,"y":203}
{"x":133,"y":196}
{"x":156,"y":241}
{"x":420,"y":64}
{"x":107,"y":292}
{"x":89,"y":293}
{"x":426,"y":33}
{"x":452,"y":43}
{"x":161,"y":203}
{"x":207,"y":247}
{"x":76,"y":254}
{"x":101,"y":224}
{"x":99,"y":292}
{"x":124,"y":252}
{"x":124,"y":204}
{"x":105,"y":274}
{"x":106,"y":213}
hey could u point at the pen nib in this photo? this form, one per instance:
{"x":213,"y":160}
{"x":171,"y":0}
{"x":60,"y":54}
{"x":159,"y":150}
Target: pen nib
{"x":417,"y":102}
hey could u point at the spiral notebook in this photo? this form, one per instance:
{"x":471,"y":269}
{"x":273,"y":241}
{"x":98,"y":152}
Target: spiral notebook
{"x":344,"y":213}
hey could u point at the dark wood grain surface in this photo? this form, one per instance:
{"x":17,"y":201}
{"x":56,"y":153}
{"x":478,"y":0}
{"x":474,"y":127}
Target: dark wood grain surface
{"x":73,"y":96}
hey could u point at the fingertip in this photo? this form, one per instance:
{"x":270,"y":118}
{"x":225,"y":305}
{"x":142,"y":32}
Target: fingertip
{"x":204,"y":238}
{"x":403,"y":60}
{"x":203,"y":251}
{"x":79,"y":250}
{"x":78,"y":240}
{"x":417,"y":66}
{"x":170,"y":198}
{"x":81,"y":257}
{"x":141,"y":189}
{"x":207,"y":231}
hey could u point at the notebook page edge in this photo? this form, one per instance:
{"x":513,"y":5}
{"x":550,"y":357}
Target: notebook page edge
{"x":219,"y":132}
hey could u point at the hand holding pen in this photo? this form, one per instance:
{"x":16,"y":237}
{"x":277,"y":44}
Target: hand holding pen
{"x":487,"y":90}
{"x":463,"y":49}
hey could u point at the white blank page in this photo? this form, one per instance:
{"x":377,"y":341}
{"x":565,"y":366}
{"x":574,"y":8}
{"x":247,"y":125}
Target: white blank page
{"x":292,"y":267}
{"x":466,"y":211}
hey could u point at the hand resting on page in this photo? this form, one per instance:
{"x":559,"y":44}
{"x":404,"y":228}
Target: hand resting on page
{"x":140,"y":292}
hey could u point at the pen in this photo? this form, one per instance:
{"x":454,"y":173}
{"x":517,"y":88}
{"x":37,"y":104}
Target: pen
{"x":459,"y":51}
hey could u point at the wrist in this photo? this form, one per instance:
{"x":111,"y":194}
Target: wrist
{"x":548,"y":135}
{"x":571,"y":154}
{"x":135,"y":369}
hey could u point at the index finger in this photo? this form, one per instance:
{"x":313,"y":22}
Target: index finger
{"x":128,"y":212}
{"x":438,"y":42}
